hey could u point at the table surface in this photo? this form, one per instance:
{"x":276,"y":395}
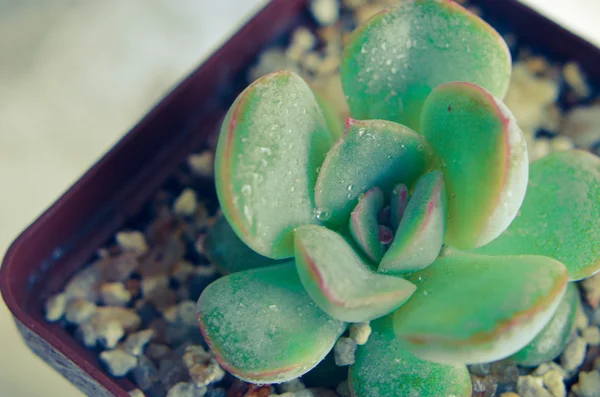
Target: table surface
{"x":75,"y":75}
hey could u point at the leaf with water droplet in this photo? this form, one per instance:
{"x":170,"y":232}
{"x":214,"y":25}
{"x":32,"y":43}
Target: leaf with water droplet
{"x":364,"y":226}
{"x":360,"y":159}
{"x":434,"y":42}
{"x":552,"y":341}
{"x":384,"y":368}
{"x":340,"y":282}
{"x":560,"y":217}
{"x":277,"y":316}
{"x":225,"y":249}
{"x":481,"y":309}
{"x":420,"y":235}
{"x":483,"y":157}
{"x":272,"y":141}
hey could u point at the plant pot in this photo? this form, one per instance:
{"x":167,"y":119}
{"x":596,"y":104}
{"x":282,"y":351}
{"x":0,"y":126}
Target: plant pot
{"x":114,"y":190}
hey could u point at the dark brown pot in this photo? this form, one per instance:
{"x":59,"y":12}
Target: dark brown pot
{"x":66,"y":236}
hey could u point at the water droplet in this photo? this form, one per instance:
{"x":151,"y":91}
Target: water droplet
{"x":394,"y":70}
{"x":361,"y":131}
{"x":350,"y":187}
{"x":322,"y":214}
{"x":246,"y":190}
{"x":293,"y":189}
{"x":266,"y":151}
{"x":388,"y":62}
{"x":274,"y":308}
{"x":318,"y":169}
{"x":384,"y":46}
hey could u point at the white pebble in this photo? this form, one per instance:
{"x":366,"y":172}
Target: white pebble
{"x":115,"y":294}
{"x":55,"y":307}
{"x":118,"y":361}
{"x":344,"y":351}
{"x":530,"y":386}
{"x":589,"y":384}
{"x":132,"y":241}
{"x":87,"y":334}
{"x":292,"y":386}
{"x":109,"y":333}
{"x":136,"y":342}
{"x":343,"y":389}
{"x":360,"y":332}
{"x":202,"y":164}
{"x":326,"y":12}
{"x":186,"y":389}
{"x":561,"y":143}
{"x":554,"y":382}
{"x":186,"y":203}
{"x":79,"y":311}
{"x":202,"y":366}
{"x":573,"y":355}
{"x":582,"y":125}
{"x":591,"y":335}
{"x":152,"y":284}
{"x":540,"y":148}
{"x":136,"y":393}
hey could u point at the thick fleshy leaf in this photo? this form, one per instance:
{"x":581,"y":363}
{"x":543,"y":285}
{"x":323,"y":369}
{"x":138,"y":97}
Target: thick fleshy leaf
{"x":474,"y":308}
{"x":398,"y":203}
{"x":552,"y":341}
{"x":340,"y":282}
{"x":420,"y":236}
{"x":370,"y":153}
{"x":334,"y":121}
{"x":263,"y":327}
{"x":483,"y":157}
{"x":364,"y":226}
{"x":225,"y":249}
{"x":384,"y":368}
{"x":272,"y":141}
{"x":393,"y":61}
{"x":560,"y":216}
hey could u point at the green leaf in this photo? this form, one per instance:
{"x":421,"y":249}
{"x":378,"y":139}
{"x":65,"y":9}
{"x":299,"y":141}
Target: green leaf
{"x":364,"y":226}
{"x":420,"y":236}
{"x":272,"y":141}
{"x":393,"y":61}
{"x":263,"y":327}
{"x":384,"y":368}
{"x":474,"y":309}
{"x":552,"y":341}
{"x":484,"y":160}
{"x":398,"y":203}
{"x":225,"y":249}
{"x":340,"y":282}
{"x":370,"y":153}
{"x":560,"y":217}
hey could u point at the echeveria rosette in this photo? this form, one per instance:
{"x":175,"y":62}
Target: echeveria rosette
{"x":350,"y":228}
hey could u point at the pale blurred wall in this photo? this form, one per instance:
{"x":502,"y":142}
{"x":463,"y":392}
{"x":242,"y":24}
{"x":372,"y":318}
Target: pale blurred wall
{"x":74,"y":76}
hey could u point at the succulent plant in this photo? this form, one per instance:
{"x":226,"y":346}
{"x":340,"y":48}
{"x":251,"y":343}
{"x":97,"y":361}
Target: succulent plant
{"x":424,"y":217}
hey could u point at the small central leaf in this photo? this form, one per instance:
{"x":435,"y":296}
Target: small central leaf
{"x":272,"y":142}
{"x":420,"y":236}
{"x":340,"y":282}
{"x":369,"y":154}
{"x":364,"y":225}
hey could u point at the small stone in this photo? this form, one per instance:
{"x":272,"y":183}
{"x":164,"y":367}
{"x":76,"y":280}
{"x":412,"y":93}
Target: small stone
{"x":84,"y":285}
{"x":182,"y":271}
{"x":588,"y":385}
{"x":581,"y":319}
{"x":136,"y":342}
{"x":55,"y":307}
{"x":344,"y":351}
{"x":126,"y":317}
{"x":109,"y":333}
{"x":343,"y":389}
{"x":136,"y":393}
{"x":326,"y":12}
{"x":554,"y":382}
{"x":544,"y":368}
{"x":592,"y":335}
{"x":582,"y":125}
{"x":170,"y":313}
{"x":118,"y":361}
{"x":360,"y":332}
{"x":186,"y":313}
{"x":202,"y":164}
{"x":537,"y":65}
{"x":186,"y":203}
{"x":574,"y":78}
{"x":186,"y":389}
{"x":529,"y":386}
{"x":202,"y":366}
{"x":172,"y":371}
{"x":484,"y":386}
{"x":152,"y":284}
{"x":114,"y":294}
{"x":157,"y":351}
{"x":539,"y":148}
{"x":145,"y":373}
{"x":79,"y":311}
{"x":591,"y":288}
{"x":561,"y":143}
{"x":291,"y":386}
{"x":86,"y":333}
{"x":302,"y":41}
{"x":573,"y":355}
{"x":132,"y":241}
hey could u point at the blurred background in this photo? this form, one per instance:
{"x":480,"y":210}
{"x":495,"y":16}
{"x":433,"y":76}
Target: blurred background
{"x":75,"y":75}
